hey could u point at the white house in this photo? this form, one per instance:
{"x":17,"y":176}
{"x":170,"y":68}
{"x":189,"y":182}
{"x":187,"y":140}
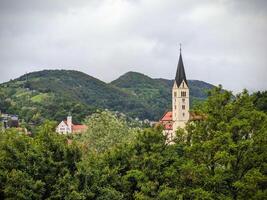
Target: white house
{"x":67,"y":127}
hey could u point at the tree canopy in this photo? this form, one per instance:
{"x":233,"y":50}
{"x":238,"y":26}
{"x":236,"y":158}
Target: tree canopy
{"x":221,"y":157}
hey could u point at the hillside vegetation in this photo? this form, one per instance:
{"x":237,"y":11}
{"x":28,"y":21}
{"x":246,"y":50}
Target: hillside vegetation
{"x":157,"y":92}
{"x":52,"y":94}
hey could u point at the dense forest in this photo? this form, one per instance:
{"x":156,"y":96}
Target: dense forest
{"x":52,"y":94}
{"x":221,"y":157}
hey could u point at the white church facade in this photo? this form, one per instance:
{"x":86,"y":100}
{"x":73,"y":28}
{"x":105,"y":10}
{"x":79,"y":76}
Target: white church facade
{"x":180,"y":114}
{"x":180,"y":97}
{"x":67,"y":127}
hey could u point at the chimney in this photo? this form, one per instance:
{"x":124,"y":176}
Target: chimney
{"x":69,"y":122}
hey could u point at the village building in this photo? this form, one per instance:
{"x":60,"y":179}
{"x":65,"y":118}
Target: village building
{"x":9,"y":121}
{"x":180,"y":114}
{"x":67,"y":127}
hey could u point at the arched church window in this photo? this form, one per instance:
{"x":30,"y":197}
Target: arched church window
{"x":183,"y":107}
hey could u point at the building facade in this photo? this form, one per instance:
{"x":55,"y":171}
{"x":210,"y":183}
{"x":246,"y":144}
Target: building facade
{"x":67,"y":127}
{"x":180,"y":97}
{"x":180,"y":115}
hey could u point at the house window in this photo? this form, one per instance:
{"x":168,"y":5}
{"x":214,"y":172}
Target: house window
{"x":175,"y":107}
{"x":183,"y":94}
{"x":183,"y":100}
{"x":175,"y":94}
{"x":183,"y":114}
{"x":183,"y":84}
{"x":183,"y":107}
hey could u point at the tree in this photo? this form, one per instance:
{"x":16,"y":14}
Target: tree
{"x":40,"y":167}
{"x":20,"y":185}
{"x":4,"y":103}
{"x":260,"y":100}
{"x":221,"y":157}
{"x":226,"y":149}
{"x":106,"y":130}
{"x":146,"y":168}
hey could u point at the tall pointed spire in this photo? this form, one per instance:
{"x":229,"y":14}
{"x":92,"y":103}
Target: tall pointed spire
{"x":180,"y":73}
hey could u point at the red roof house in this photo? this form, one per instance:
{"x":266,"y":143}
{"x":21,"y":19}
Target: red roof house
{"x":67,"y":126}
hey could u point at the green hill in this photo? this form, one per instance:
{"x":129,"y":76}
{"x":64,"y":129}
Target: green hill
{"x":51,"y":94}
{"x":157,"y":92}
{"x":77,"y":86}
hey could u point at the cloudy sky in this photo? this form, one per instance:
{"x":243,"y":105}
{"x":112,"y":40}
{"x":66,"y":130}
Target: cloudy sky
{"x":223,"y":41}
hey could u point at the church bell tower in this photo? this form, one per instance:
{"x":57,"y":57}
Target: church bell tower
{"x":180,"y":97}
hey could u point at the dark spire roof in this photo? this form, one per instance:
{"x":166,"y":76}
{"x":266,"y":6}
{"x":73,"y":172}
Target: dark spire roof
{"x":180,"y":73}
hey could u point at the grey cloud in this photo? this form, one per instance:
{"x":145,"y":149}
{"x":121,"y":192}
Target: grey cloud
{"x":248,"y":6}
{"x":223,"y":41}
{"x":25,"y":6}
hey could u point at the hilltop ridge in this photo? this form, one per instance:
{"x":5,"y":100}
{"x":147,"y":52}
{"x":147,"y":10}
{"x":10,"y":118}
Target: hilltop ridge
{"x":52,"y":94}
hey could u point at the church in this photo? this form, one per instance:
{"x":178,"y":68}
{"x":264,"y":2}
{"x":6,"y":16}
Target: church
{"x":67,"y":127}
{"x":180,"y":115}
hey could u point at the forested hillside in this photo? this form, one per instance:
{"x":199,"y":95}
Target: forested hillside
{"x":157,"y":92}
{"x":51,"y":94}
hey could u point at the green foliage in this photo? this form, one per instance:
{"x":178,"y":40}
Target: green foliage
{"x":5,"y":102}
{"x":222,"y":156}
{"x":135,"y":170}
{"x":260,"y":100}
{"x":228,"y":147}
{"x":37,"y":168}
{"x":106,"y":130}
{"x":20,"y":185}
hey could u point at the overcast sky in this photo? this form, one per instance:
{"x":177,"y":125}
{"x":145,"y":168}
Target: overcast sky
{"x":223,"y":41}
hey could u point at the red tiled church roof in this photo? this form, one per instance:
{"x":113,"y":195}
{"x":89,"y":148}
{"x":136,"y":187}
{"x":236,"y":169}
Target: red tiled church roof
{"x":167,"y":116}
{"x":77,"y":128}
{"x":167,"y":122}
